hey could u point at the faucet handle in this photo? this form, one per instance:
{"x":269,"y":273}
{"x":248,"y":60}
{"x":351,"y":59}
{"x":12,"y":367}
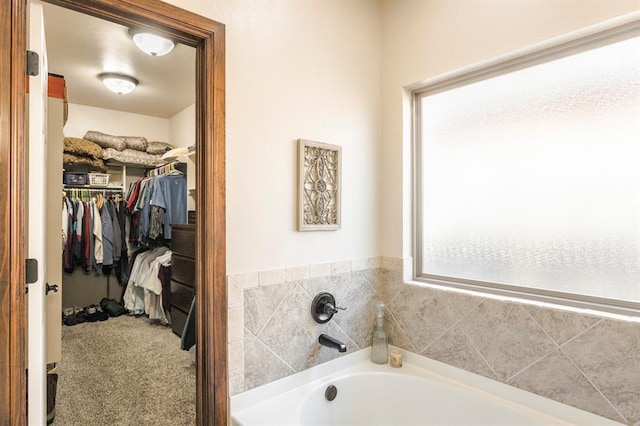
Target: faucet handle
{"x":330,"y":309}
{"x":324,"y":307}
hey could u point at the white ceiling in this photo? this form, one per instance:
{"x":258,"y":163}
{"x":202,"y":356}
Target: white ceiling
{"x":79,"y":47}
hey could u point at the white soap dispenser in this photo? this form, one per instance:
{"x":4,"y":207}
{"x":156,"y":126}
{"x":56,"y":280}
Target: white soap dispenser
{"x":379,"y":350}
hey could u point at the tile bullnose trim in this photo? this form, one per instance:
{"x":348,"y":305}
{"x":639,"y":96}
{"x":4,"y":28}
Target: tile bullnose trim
{"x":293,"y":273}
{"x":271,"y":276}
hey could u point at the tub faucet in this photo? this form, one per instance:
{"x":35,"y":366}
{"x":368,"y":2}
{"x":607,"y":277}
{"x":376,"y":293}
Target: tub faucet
{"x":330,"y":342}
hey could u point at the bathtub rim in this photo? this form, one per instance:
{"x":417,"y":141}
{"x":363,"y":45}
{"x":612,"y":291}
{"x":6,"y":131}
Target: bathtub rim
{"x":358,"y":362}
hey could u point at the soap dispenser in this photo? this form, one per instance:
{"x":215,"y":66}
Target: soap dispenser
{"x":379,"y":350}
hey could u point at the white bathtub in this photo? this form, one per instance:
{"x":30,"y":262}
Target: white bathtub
{"x":422,"y":392}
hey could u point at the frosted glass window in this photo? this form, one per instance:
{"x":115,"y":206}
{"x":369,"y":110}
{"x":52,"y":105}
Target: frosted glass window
{"x":532,"y":178}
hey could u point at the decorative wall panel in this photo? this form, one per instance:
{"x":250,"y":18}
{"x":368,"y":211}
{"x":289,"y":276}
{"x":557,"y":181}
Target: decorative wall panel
{"x":319,"y":186}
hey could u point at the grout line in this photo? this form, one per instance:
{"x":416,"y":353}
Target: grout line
{"x":593,"y":384}
{"x":346,"y":291}
{"x":372,"y":287}
{"x":555,"y":344}
{"x":530,"y":365}
{"x":404,"y":333}
{"x":455,"y":323}
{"x":473,"y":345}
{"x":438,"y":337}
{"x":582,"y":332}
{"x":541,"y":327}
{"x":402,"y":287}
{"x":276,"y":355}
{"x":347,"y":334}
{"x":276,"y":307}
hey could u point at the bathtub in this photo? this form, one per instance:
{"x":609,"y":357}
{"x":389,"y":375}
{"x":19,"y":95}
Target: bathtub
{"x":422,"y":392}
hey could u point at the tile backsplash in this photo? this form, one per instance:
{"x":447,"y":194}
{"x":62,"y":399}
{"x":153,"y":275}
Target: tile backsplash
{"x":581,"y":360}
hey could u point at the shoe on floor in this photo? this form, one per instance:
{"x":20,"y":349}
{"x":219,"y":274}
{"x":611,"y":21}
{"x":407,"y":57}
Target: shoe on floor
{"x":81,"y":315}
{"x":113,"y":308}
{"x":92,"y":313}
{"x":68,"y":317}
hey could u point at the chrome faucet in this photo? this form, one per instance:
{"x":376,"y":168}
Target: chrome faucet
{"x":330,"y":342}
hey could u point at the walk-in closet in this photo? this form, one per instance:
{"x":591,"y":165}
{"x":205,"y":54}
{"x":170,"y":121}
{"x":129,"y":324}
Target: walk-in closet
{"x":120,"y":226}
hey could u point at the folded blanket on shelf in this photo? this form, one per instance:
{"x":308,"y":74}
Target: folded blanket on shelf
{"x":136,"y":142}
{"x":132,"y":156}
{"x":71,"y":160}
{"x":120,"y":143}
{"x":157,"y":147}
{"x":83,"y":147}
{"x":106,"y":141}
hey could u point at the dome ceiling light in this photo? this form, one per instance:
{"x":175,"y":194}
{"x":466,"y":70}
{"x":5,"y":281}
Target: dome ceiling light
{"x":118,"y":83}
{"x":150,"y":43}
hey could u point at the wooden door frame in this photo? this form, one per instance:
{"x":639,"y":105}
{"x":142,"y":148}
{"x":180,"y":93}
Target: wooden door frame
{"x":208,"y":37}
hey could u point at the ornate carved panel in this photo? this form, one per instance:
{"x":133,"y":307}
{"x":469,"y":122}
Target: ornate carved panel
{"x":320,"y":181}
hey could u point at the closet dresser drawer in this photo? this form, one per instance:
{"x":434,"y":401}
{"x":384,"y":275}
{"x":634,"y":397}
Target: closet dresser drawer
{"x":178,"y":319}
{"x":181,"y":296}
{"x":183,"y":269}
{"x":183,"y":240}
{"x":183,"y":274}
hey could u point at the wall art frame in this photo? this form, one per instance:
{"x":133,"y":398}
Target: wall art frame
{"x":319,"y":186}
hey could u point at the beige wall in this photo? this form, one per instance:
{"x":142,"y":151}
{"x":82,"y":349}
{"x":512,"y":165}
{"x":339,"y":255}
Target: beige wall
{"x":425,"y":38}
{"x":298,"y":69}
{"x":83,"y":118}
{"x":182,"y":127}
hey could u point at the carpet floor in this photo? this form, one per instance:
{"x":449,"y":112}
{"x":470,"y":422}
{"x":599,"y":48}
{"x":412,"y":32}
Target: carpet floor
{"x":124,"y":371}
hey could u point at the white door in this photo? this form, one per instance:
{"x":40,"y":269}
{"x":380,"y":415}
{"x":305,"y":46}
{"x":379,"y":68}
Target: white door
{"x":37,"y":389}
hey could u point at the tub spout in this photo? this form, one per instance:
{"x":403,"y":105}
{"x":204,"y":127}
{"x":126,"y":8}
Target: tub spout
{"x":330,"y":342}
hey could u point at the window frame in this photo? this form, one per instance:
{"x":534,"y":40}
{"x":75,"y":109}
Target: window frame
{"x":621,"y":28}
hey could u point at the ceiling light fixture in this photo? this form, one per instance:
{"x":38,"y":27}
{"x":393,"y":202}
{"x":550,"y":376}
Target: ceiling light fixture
{"x":150,"y":43}
{"x":118,"y":83}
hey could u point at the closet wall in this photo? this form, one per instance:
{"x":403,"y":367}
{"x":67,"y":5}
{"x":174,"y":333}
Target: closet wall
{"x":83,"y":118}
{"x":84,"y":288}
{"x":182,"y":132}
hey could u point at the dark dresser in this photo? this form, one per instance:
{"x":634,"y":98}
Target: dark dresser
{"x":183,"y":273}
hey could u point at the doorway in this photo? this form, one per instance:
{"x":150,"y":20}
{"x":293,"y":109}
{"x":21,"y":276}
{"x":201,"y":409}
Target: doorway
{"x":211,"y":329}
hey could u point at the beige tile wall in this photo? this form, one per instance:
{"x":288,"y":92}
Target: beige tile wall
{"x":585,"y":361}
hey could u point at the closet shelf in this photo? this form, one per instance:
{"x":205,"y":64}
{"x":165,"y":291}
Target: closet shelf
{"x":97,"y":187}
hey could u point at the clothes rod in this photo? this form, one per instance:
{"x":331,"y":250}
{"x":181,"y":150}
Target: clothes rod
{"x":168,"y":168}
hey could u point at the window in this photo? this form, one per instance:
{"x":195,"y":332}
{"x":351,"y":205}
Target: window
{"x":528,"y":174}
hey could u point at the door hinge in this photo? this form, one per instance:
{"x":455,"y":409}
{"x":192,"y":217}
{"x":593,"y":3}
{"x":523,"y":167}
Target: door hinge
{"x":33,"y":63}
{"x":31,"y":270}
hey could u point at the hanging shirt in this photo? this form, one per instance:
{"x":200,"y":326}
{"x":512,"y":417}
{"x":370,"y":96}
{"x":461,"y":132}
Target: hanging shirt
{"x":143,"y":206}
{"x":67,"y":254}
{"x":156,"y":218}
{"x":133,"y":196}
{"x":107,"y":237}
{"x":65,"y":222}
{"x":88,"y":236}
{"x":97,"y":234}
{"x":79,"y":219}
{"x":115,"y":225}
{"x":170,"y":193}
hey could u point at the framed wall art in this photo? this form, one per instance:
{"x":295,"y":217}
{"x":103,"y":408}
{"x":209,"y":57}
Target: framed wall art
{"x":319,"y":186}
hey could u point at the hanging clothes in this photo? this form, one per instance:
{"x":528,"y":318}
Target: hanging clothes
{"x":170,"y":194}
{"x":92,"y":234}
{"x":115,"y":225}
{"x":143,"y":294}
{"x":122,"y":269}
{"x":153,"y":204}
{"x":107,"y":239}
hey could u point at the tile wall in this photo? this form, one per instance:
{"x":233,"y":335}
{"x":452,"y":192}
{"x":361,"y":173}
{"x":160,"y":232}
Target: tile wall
{"x":584,"y":361}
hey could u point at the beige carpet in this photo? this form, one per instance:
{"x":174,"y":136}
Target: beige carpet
{"x":124,"y":371}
